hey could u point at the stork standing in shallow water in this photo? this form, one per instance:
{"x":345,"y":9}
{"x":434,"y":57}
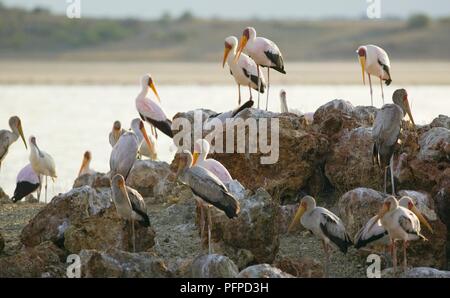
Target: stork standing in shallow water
{"x":386,"y":131}
{"x":265,"y":53}
{"x":125,"y":152}
{"x":129,"y":204}
{"x":243,"y":69}
{"x":27,"y":182}
{"x":374,"y":61}
{"x":42,"y":163}
{"x":401,"y":224}
{"x":323,"y":224}
{"x":208,"y":188}
{"x":9,"y":137}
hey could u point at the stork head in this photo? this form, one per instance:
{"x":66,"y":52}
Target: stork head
{"x":16,"y":127}
{"x":184,"y":162}
{"x":400,"y":98}
{"x":282,"y":94}
{"x":249,"y":33}
{"x":118,"y":186}
{"x":201,"y":147}
{"x":138,"y":128}
{"x":362,"y":56}
{"x":306,"y":203}
{"x":147,"y":82}
{"x":86,"y":160}
{"x":408,"y":203}
{"x":230,"y":44}
{"x":390,"y":203}
{"x":117,"y":126}
{"x":32,"y":140}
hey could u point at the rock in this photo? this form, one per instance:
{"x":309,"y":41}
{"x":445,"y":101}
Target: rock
{"x":115,"y":263}
{"x":255,"y":229}
{"x":357,"y":206}
{"x":146,"y":174}
{"x":302,"y":267}
{"x":62,"y":211}
{"x":43,"y":260}
{"x":442,"y":200}
{"x":441,"y":121}
{"x":433,"y":144}
{"x":286,"y":215}
{"x":425,"y":272}
{"x":293,"y":169}
{"x":4,"y":198}
{"x":337,"y":116}
{"x":30,"y":199}
{"x":417,"y":272}
{"x":106,"y":230}
{"x":236,"y":188}
{"x":263,"y":271}
{"x":2,"y":243}
{"x":96,"y":180}
{"x":213,"y":266}
{"x":431,"y":253}
{"x":349,"y":164}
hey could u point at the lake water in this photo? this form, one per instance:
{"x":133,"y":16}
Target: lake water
{"x":67,"y":120}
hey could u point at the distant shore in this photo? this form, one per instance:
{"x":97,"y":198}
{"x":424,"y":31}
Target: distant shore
{"x":184,"y":73}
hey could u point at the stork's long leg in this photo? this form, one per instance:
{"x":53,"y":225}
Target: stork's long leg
{"x":392,"y":173}
{"x":46,"y":189}
{"x":268,"y":86}
{"x":133,"y":235}
{"x":250,"y":90}
{"x":325,"y":265}
{"x":385,"y":179}
{"x":209,"y":229}
{"x":239,"y":91}
{"x":39,"y":189}
{"x":259,"y":84}
{"x":382,"y":92}
{"x":405,"y":262}
{"x":371,"y":91}
{"x":394,"y":255}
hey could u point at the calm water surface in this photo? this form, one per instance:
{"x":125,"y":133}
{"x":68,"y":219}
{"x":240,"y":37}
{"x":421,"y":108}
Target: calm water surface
{"x":67,"y":120}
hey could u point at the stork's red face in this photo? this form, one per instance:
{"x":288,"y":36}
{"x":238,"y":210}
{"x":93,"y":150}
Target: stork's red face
{"x":362,"y":52}
{"x":410,"y":205}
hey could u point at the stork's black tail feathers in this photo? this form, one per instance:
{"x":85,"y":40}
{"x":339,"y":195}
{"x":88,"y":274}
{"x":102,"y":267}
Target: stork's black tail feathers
{"x":247,"y":104}
{"x":388,"y":82}
{"x":232,"y":206}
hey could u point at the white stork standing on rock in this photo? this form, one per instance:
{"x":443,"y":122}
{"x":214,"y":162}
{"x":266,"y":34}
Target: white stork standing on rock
{"x":265,"y":53}
{"x":242,"y":68}
{"x":378,"y":235}
{"x":375,"y":61}
{"x":323,"y":224}
{"x":401,"y":224}
{"x":386,"y":131}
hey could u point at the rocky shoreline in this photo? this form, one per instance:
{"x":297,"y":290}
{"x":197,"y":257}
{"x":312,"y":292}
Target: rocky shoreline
{"x":329,"y":159}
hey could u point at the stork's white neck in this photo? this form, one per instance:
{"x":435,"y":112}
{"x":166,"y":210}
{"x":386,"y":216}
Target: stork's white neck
{"x":283,"y":103}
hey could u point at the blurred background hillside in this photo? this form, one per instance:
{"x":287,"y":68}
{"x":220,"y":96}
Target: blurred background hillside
{"x":36,"y":32}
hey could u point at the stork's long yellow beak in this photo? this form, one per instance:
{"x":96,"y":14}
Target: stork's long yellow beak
{"x":19,"y":128}
{"x":147,"y":140}
{"x":408,"y":110}
{"x":152,"y":86}
{"x":195,"y":157}
{"x":382,"y":212}
{"x":362,"y":61}
{"x":298,"y":215}
{"x":225,"y":55}
{"x":241,"y":47}
{"x":421,"y":218}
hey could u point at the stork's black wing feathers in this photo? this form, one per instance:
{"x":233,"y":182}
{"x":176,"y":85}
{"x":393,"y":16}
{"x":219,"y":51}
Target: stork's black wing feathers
{"x":142,"y":213}
{"x":388,"y":71}
{"x":277,"y":60}
{"x":247,"y":104}
{"x":164,"y":126}
{"x":254,"y":79}
{"x":343,"y":244}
